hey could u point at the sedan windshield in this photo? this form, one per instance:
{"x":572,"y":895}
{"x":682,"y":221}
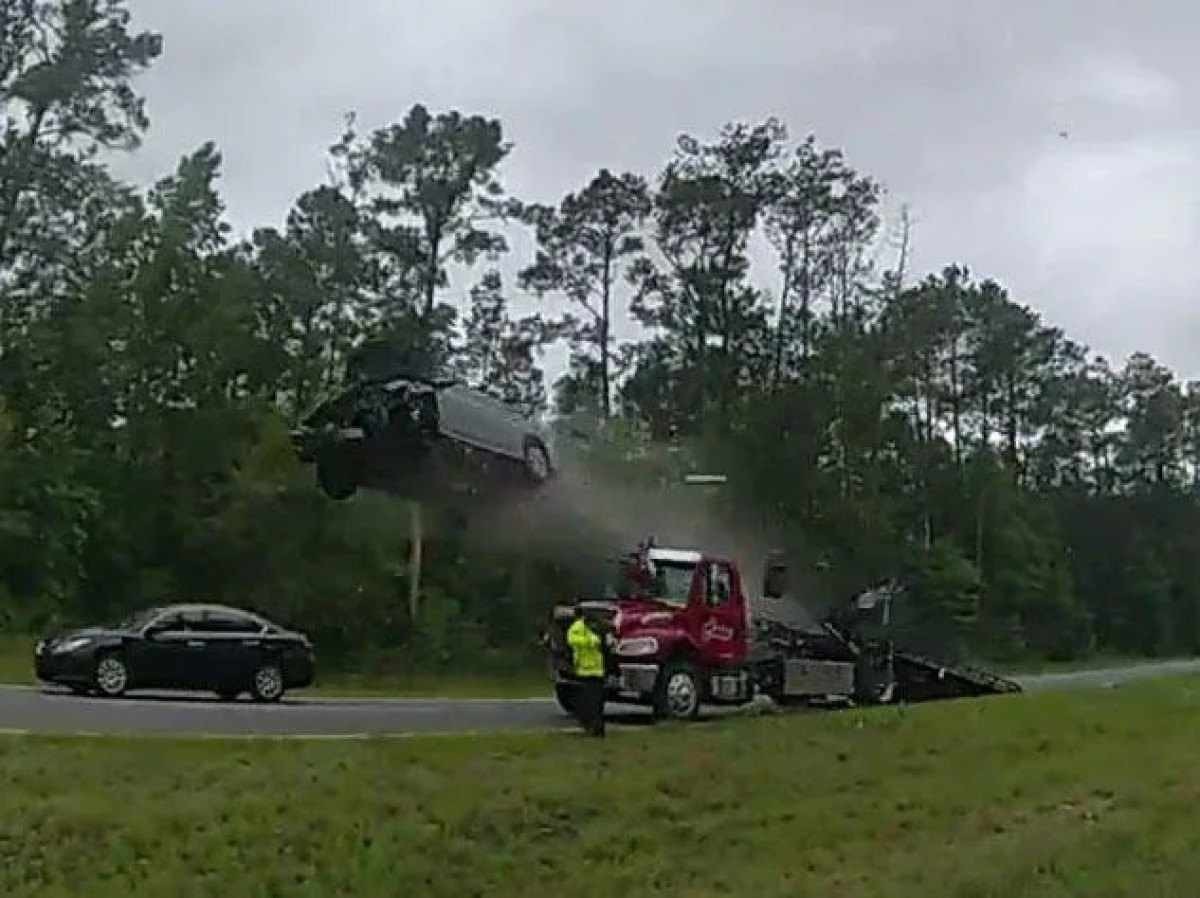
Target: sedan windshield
{"x":137,"y":620}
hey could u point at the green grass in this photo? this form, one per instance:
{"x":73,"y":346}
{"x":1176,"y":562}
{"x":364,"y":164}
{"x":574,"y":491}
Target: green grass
{"x":1089,"y":793}
{"x":16,"y":659}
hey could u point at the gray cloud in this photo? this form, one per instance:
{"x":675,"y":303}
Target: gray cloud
{"x":954,"y":106}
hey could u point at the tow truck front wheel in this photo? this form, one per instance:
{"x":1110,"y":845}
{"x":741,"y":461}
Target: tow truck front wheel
{"x":677,"y":696}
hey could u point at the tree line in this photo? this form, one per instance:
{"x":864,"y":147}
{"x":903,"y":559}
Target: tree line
{"x":1039,"y":500}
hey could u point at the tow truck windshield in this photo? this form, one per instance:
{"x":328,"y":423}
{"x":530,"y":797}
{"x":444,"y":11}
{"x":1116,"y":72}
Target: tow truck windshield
{"x":673,"y":581}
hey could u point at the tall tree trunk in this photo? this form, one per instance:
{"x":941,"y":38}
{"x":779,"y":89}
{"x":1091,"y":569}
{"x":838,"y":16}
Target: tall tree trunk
{"x":806,"y":302}
{"x":1011,"y":426}
{"x":18,"y":179}
{"x":956,"y":404}
{"x":979,"y":522}
{"x":416,"y":547}
{"x":789,"y":264}
{"x":605,"y":319}
{"x":432,"y":268}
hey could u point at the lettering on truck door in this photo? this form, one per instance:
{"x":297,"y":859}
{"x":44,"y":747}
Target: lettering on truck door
{"x":722,"y":618}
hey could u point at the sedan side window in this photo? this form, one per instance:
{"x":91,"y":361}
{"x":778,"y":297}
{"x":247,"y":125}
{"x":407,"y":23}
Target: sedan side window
{"x":190,"y":621}
{"x":177,"y":622}
{"x":168,"y":622}
{"x":226,"y":622}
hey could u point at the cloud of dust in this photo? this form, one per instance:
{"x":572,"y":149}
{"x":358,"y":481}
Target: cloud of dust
{"x":584,"y":519}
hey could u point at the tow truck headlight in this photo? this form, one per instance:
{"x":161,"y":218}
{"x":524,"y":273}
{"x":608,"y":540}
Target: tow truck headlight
{"x":638,"y":646}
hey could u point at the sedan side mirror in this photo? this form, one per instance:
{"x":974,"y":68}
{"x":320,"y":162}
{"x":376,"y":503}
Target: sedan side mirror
{"x":154,"y":631}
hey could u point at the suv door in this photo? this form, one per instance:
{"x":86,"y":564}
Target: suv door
{"x":474,"y":418}
{"x":233,"y":647}
{"x":506,"y":424}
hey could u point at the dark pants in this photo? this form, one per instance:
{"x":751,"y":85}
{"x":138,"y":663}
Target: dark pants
{"x":589,"y":706}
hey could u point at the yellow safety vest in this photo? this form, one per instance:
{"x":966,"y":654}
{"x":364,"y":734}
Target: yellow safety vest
{"x":585,"y":647}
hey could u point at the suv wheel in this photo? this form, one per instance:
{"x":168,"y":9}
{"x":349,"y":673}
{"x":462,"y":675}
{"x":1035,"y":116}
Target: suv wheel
{"x":537,"y":461}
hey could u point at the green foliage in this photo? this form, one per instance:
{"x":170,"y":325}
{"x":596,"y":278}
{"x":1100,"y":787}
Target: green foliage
{"x":941,"y":607}
{"x":1041,"y":501}
{"x":582,"y":246}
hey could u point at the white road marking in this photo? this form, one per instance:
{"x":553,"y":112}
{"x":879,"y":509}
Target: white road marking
{"x":298,"y":737}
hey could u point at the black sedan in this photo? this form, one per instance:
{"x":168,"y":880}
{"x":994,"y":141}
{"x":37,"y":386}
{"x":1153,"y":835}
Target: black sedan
{"x":202,"y":647}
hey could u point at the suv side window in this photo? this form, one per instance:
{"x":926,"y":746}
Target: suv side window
{"x":720,"y":585}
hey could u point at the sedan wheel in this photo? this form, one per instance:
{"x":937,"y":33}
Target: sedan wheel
{"x":268,"y":683}
{"x":112,"y":677}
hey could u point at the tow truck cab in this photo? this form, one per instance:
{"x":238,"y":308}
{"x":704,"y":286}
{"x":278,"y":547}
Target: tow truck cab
{"x":681,"y":633}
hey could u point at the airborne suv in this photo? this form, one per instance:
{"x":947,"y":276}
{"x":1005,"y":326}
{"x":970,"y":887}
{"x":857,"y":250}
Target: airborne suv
{"x":394,"y":426}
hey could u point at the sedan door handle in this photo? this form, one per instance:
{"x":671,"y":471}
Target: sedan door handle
{"x":195,"y":643}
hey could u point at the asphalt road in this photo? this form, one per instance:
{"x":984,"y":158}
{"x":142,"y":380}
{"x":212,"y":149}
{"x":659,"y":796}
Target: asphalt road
{"x":45,"y":710}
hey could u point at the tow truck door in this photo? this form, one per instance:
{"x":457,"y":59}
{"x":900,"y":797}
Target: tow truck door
{"x":722,"y":617}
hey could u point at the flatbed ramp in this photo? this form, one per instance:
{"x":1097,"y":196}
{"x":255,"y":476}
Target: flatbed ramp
{"x":922,"y":678}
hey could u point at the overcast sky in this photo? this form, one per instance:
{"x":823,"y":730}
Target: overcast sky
{"x":955,"y":106}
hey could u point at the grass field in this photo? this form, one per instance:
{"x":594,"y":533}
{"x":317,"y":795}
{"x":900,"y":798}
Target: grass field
{"x":1090,"y":793}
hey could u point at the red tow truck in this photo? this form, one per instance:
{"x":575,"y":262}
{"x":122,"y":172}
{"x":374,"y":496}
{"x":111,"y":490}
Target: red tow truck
{"x":685,"y":635}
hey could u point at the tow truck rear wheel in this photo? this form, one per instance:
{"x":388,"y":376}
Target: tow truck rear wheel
{"x":677,"y":693}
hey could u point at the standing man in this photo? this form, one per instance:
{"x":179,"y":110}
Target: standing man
{"x":587,"y":652}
